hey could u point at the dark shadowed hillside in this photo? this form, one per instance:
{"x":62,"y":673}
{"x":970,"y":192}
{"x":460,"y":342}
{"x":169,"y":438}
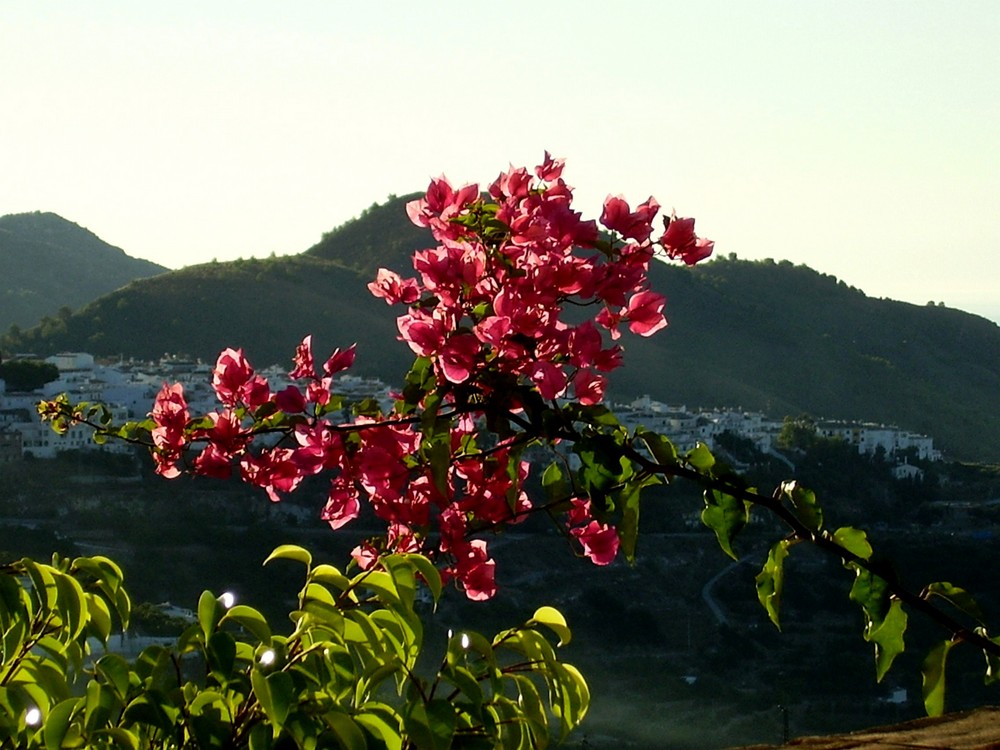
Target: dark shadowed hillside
{"x":48,"y":263}
{"x":772,"y":337}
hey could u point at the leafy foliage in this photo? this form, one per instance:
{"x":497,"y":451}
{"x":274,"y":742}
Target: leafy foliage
{"x":349,"y":674}
{"x":27,"y":374}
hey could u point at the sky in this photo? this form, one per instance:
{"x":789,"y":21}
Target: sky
{"x":859,"y":138}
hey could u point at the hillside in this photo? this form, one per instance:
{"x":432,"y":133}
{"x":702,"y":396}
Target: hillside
{"x":48,"y":263}
{"x":767,"y":336}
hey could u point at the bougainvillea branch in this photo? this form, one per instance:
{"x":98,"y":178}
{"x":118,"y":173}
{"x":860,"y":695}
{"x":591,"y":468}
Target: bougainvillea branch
{"x":500,"y":369}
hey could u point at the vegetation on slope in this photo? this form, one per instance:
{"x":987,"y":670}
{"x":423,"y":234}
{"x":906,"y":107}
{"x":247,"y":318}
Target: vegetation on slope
{"x":767,"y":336}
{"x":48,"y":263}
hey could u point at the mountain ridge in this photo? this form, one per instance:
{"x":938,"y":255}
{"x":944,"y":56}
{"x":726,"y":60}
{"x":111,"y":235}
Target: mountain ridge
{"x":767,"y":336}
{"x":48,"y":263}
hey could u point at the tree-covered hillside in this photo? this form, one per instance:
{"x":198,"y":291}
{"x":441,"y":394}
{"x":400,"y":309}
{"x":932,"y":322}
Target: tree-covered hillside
{"x":49,"y":265}
{"x":771,"y":337}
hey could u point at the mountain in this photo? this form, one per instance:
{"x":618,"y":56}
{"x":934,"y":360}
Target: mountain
{"x":771,"y":337}
{"x":48,"y":263}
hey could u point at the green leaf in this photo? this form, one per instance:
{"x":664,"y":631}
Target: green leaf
{"x":290,"y":552}
{"x":115,"y":671}
{"x":209,"y":613}
{"x":629,"y":504}
{"x":933,"y":678}
{"x":430,"y":726}
{"x":555,"y":483}
{"x":804,"y":503}
{"x":659,"y":446}
{"x":121,"y":738}
{"x":275,"y":693}
{"x":602,"y":464}
{"x":575,"y":697}
{"x":346,"y":730}
{"x":381,"y":721}
{"x":872,"y":593}
{"x":553,"y":619}
{"x":888,"y":638}
{"x":57,"y":723}
{"x":221,"y":652}
{"x":150,"y":708}
{"x":328,"y":574}
{"x":430,"y":575}
{"x":251,"y":620}
{"x":854,"y":541}
{"x":726,"y":516}
{"x":381,"y":583}
{"x":701,"y":459}
{"x":958,"y":598}
{"x":771,"y":581}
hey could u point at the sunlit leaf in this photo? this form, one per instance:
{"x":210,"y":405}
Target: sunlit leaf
{"x":872,"y":593}
{"x":888,"y":638}
{"x":290,"y":552}
{"x":57,"y":722}
{"x":700,"y":458}
{"x":958,"y":598}
{"x":659,"y":447}
{"x":803,"y":501}
{"x":933,"y":678}
{"x":854,"y":541}
{"x":251,"y":620}
{"x":771,"y":581}
{"x":553,"y":619}
{"x":555,"y":483}
{"x":431,"y":726}
{"x":726,"y":516}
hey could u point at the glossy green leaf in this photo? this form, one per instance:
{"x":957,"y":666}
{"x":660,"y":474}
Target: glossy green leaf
{"x":958,"y":598}
{"x":727,"y":516}
{"x":553,"y":619}
{"x":290,"y":552}
{"x":602,"y":465}
{"x":251,"y":620}
{"x":328,"y":574}
{"x":210,"y":612}
{"x":381,"y":721}
{"x":221,"y":653}
{"x":100,"y":701}
{"x":99,"y":618}
{"x":555,"y":483}
{"x":379,"y":582}
{"x":430,"y":726}
{"x":276,"y":694}
{"x":659,"y":446}
{"x":854,"y":541}
{"x":803,"y":502}
{"x":872,"y":593}
{"x":115,"y":672}
{"x":574,"y":697}
{"x":771,"y":580}
{"x":888,"y":638}
{"x":57,"y":722}
{"x":118,"y":737}
{"x":430,"y":574}
{"x":700,"y":458}
{"x":346,"y":730}
{"x":933,"y":670}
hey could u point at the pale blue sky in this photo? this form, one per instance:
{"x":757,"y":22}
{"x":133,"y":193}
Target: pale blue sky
{"x":859,"y":138}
